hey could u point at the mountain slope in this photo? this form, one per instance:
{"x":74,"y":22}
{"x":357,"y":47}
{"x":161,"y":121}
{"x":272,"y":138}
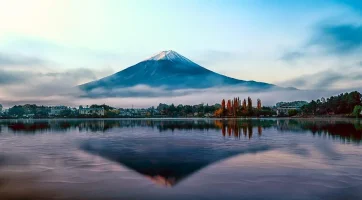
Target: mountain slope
{"x":170,"y":71}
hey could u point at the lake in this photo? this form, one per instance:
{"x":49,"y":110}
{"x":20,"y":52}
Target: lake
{"x":181,"y":159}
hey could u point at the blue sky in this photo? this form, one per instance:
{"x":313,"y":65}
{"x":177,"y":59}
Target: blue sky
{"x":307,"y":44}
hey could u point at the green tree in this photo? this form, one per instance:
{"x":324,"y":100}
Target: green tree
{"x":343,"y":103}
{"x":357,"y":110}
{"x":17,"y":111}
{"x":65,"y":113}
{"x":292,"y":113}
{"x":104,"y":106}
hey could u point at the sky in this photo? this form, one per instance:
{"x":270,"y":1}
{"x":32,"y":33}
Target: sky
{"x":48,"y":47}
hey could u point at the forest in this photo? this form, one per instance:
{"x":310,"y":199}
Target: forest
{"x":342,"y":104}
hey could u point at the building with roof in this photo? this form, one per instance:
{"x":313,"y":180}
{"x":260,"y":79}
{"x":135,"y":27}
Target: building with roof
{"x":91,"y":111}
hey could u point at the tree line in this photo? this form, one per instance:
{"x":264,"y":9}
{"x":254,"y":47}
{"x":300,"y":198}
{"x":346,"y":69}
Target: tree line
{"x":344,"y":103}
{"x":186,"y":110}
{"x":44,"y":111}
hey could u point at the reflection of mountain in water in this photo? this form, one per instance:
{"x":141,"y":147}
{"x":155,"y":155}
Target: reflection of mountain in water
{"x":167,"y":160}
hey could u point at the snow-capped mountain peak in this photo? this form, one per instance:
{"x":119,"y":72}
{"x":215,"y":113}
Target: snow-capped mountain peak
{"x":168,"y":70}
{"x":171,"y":56}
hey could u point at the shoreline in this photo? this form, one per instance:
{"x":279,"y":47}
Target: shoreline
{"x":186,"y":118}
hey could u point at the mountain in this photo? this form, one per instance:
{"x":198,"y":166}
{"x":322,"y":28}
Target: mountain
{"x":167,"y":70}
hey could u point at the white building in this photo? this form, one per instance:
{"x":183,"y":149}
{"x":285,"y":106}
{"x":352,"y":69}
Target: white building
{"x":283,"y":107}
{"x":208,"y":115}
{"x":91,"y":111}
{"x":56,"y":110}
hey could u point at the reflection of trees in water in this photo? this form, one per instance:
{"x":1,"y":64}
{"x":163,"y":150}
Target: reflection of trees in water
{"x":339,"y":129}
{"x":185,"y":125}
{"x":230,"y":127}
{"x":260,"y":131}
{"x":344,"y":130}
{"x":237,"y":127}
{"x":30,"y":126}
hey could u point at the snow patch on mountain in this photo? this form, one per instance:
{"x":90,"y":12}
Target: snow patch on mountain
{"x":172,"y":56}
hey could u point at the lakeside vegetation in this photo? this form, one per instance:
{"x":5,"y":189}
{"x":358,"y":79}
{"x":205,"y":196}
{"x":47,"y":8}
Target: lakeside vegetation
{"x":233,"y":108}
{"x":345,"y":104}
{"x":342,"y":105}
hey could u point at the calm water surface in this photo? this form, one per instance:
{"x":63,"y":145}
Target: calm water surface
{"x":180,"y":159}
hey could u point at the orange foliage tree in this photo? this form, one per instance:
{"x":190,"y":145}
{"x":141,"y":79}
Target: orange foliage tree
{"x":259,"y":104}
{"x":219,"y":112}
{"x":244,"y":105}
{"x":250,"y":104}
{"x":228,"y":107}
{"x":234,"y":107}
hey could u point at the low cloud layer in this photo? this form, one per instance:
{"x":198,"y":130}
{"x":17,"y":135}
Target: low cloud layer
{"x":210,"y":96}
{"x":11,"y":77}
{"x":19,"y":60}
{"x":68,"y":77}
{"x":28,"y":86}
{"x":51,"y":95}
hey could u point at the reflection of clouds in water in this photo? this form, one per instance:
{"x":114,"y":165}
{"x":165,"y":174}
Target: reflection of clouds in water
{"x":277,"y":158}
{"x":328,"y":150}
{"x":18,"y":179}
{"x":95,"y":163}
{"x":298,"y":149}
{"x":10,"y":159}
{"x":343,"y":148}
{"x":284,"y":173}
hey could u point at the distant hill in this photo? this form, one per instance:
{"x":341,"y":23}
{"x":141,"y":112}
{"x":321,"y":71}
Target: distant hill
{"x":168,"y":70}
